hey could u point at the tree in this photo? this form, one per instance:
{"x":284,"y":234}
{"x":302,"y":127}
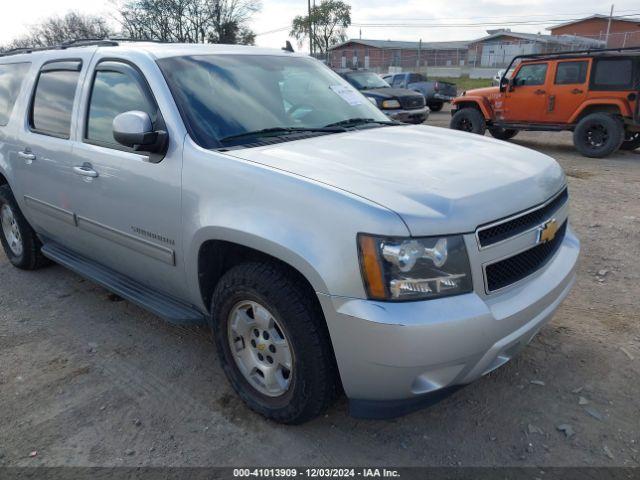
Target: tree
{"x":189,"y":21}
{"x":329,"y":20}
{"x":57,"y":30}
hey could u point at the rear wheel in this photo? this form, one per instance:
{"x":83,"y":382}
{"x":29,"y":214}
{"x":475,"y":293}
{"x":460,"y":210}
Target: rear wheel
{"x":631,"y":141}
{"x":436,"y":107}
{"x":503,"y":133}
{"x":598,"y":135}
{"x":18,"y":239}
{"x":469,"y":120}
{"x":273,"y":343}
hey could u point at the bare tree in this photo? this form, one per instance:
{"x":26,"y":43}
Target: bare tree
{"x":57,"y":30}
{"x":189,"y":21}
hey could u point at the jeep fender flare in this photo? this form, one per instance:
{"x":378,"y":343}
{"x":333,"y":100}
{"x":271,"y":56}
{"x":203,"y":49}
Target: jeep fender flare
{"x":480,"y":103}
{"x":588,"y":105}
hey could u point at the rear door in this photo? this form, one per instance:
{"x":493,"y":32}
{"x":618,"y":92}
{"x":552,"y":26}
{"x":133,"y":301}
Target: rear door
{"x":568,"y":89}
{"x":43,"y":163}
{"x":526,"y":97}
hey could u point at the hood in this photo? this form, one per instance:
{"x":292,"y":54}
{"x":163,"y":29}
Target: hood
{"x":483,"y":92}
{"x":387,"y":93}
{"x":439,"y":181}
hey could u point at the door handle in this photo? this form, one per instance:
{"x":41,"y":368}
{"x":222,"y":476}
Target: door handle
{"x":27,"y":156}
{"x":85,"y":170}
{"x":539,"y":92}
{"x":576,"y":91}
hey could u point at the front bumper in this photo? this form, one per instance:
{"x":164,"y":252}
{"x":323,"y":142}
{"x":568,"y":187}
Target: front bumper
{"x":393,"y":357}
{"x":419,"y":115}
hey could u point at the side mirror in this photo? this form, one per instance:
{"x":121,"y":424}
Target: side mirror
{"x":504,"y":83}
{"x":134,"y":129}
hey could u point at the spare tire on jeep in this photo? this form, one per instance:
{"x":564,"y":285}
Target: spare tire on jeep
{"x":469,"y":119}
{"x":598,"y":135}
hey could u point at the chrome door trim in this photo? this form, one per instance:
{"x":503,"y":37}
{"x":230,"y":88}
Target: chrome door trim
{"x":58,"y":213}
{"x":150,"y":249}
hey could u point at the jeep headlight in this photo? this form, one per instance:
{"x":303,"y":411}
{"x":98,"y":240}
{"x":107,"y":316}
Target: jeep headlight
{"x":390,"y":104}
{"x":414,"y":268}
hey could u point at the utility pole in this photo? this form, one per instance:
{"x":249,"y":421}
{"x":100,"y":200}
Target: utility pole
{"x":419,"y":55}
{"x":310,"y":28}
{"x":609,"y":24}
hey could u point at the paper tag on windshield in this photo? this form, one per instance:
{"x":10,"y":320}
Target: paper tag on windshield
{"x":348,"y":94}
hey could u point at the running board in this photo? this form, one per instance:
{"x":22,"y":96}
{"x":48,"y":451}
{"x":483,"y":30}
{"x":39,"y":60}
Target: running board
{"x":170,"y":309}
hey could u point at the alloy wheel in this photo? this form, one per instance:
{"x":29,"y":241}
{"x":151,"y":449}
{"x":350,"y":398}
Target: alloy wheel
{"x":11,"y":230}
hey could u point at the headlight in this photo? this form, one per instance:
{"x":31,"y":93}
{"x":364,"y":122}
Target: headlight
{"x":373,"y":100}
{"x":390,"y":104}
{"x":414,"y":268}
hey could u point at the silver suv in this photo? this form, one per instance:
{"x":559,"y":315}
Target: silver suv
{"x":327,"y":247}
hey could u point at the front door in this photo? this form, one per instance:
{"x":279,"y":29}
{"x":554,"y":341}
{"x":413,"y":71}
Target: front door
{"x":127,"y":202}
{"x":568,"y":90}
{"x":526,"y":96}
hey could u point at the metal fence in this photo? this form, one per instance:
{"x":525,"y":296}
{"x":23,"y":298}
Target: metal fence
{"x":477,"y":56}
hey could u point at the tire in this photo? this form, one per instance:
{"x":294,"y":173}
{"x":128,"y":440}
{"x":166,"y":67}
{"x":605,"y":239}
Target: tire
{"x":20,"y":242}
{"x":469,"y":120}
{"x":268,"y":290}
{"x":503,"y":133}
{"x":598,"y":135}
{"x":436,"y":107}
{"x":631,"y":141}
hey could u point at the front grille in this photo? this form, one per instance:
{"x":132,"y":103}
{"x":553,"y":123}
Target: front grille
{"x":506,"y":272}
{"x":510,"y":228}
{"x":413,"y":102}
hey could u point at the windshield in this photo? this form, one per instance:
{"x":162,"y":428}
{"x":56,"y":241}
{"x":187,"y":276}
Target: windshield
{"x":366,"y":80}
{"x":222,"y":96}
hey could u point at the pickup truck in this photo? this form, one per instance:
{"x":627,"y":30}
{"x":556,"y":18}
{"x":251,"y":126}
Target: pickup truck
{"x":435,"y":92}
{"x":255,"y":191}
{"x":398,"y":104}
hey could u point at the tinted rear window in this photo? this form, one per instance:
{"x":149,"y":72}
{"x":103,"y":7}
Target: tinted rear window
{"x":53,"y":102}
{"x":613,"y":73}
{"x":11,"y":78}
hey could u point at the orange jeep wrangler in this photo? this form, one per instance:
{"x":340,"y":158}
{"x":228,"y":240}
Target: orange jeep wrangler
{"x":592,"y":93}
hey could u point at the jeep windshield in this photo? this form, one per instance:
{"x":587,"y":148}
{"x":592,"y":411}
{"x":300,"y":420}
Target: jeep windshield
{"x":239,"y":99}
{"x":366,"y":80}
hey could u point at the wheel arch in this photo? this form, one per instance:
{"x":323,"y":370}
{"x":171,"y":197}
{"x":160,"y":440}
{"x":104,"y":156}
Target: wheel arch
{"x":479,"y":103}
{"x":612,"y":106}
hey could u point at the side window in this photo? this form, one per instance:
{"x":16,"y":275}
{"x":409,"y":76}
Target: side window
{"x":533,"y":74}
{"x":52,"y":103}
{"x":569,"y":73}
{"x":11,"y":77}
{"x":416,"y":78}
{"x":113,"y":93}
{"x":612,"y":74}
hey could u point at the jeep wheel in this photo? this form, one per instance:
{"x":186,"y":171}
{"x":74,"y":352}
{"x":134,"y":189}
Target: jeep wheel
{"x":436,"y":107}
{"x":503,"y":133}
{"x":598,"y":135}
{"x":469,"y":120}
{"x":273,"y":343}
{"x":631,"y":141}
{"x":18,"y":239}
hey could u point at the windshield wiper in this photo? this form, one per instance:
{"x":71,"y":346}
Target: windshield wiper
{"x":354,"y":122}
{"x":275,"y":131}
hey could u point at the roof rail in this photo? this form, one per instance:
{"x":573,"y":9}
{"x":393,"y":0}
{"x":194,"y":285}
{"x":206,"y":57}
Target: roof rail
{"x":80,"y":42}
{"x":553,"y":55}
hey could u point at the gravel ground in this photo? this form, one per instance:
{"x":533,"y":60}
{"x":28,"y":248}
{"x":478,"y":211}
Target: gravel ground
{"x":88,"y":380}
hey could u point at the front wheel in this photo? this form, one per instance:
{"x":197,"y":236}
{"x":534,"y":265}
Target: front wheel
{"x":631,"y":141}
{"x":20,"y":242}
{"x":469,"y":120}
{"x":503,"y":133}
{"x":598,"y":135}
{"x":273,"y":343}
{"x":436,"y":107}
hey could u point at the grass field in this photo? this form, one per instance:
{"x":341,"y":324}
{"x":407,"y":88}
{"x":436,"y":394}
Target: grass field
{"x":465,"y":83}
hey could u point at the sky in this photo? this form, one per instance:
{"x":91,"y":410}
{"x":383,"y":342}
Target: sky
{"x":440,"y":19}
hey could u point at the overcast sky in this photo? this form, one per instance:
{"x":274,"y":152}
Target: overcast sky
{"x":18,"y":15}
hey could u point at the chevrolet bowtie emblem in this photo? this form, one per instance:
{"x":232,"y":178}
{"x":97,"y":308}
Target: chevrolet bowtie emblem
{"x":547,"y":231}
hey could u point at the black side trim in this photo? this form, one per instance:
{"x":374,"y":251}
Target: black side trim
{"x":172,"y":310}
{"x":384,"y":409}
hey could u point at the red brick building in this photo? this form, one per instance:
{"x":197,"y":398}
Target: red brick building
{"x":624,"y":32}
{"x":382,"y":54}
